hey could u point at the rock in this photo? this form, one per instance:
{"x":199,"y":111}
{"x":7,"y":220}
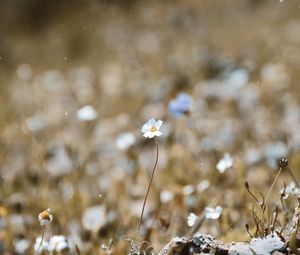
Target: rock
{"x":174,"y":246}
{"x":268,"y":244}
{"x":207,"y":244}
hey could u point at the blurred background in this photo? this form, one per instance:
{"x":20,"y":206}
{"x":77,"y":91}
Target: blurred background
{"x":79,"y":79}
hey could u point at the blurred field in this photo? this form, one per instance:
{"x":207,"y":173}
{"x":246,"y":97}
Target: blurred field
{"x":238,"y":60}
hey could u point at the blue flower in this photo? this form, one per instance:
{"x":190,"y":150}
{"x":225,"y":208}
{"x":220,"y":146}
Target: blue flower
{"x":180,"y":105}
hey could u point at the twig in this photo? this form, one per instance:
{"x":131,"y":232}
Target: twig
{"x":268,"y":194}
{"x":197,"y":225}
{"x":77,"y":249}
{"x":248,"y":230}
{"x":259,"y":224}
{"x":250,"y":192}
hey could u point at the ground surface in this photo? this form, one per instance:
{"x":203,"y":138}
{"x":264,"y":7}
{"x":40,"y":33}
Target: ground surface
{"x":238,"y":60}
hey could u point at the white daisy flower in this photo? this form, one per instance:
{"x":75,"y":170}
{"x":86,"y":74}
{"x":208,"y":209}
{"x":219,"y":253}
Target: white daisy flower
{"x":45,"y":217}
{"x":151,"y":128}
{"x":191,"y":220}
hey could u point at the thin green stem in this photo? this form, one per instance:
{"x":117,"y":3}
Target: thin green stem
{"x":151,"y":179}
{"x":43,"y":233}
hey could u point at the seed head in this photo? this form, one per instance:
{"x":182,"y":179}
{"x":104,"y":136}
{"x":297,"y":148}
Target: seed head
{"x":283,"y":162}
{"x":45,"y":217}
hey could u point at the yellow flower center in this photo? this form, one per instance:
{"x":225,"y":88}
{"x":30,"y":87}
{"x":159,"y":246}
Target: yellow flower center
{"x":153,"y":129}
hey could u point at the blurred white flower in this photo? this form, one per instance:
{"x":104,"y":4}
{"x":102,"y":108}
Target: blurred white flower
{"x":191,"y":220}
{"x":24,"y":72}
{"x":94,"y":218}
{"x":166,"y":196}
{"x":252,"y":156}
{"x":21,"y":246}
{"x":225,"y":163}
{"x":60,"y":162}
{"x":291,"y":189}
{"x":44,"y":247}
{"x":275,"y":75}
{"x":58,"y":243}
{"x":190,"y":201}
{"x":87,"y":113}
{"x":213,"y":213}
{"x":45,"y":217}
{"x":203,"y":185}
{"x":125,"y":141}
{"x":53,"y":81}
{"x":151,"y":128}
{"x":275,"y":151}
{"x":237,"y":79}
{"x":188,"y":190}
{"x":36,"y":123}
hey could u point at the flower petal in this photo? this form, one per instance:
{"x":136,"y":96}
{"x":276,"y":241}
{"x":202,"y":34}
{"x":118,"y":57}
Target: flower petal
{"x":158,"y":124}
{"x":157,"y":133}
{"x":152,"y":134}
{"x":146,"y":127}
{"x":152,"y":122}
